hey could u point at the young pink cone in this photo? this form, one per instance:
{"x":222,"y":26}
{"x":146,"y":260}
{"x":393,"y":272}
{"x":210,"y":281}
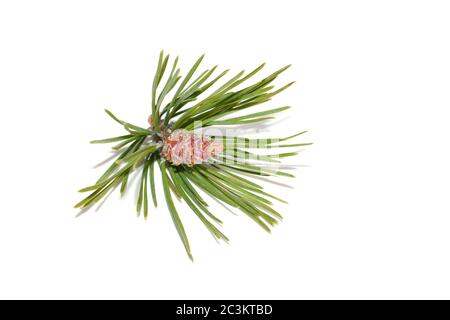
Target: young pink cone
{"x":184,"y":147}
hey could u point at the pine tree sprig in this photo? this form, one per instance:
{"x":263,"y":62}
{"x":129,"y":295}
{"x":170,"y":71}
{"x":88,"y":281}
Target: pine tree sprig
{"x":196,"y":168}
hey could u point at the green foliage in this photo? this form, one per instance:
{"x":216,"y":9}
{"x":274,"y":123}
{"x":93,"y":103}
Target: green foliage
{"x":228,"y":177}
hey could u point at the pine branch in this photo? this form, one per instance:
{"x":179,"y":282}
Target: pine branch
{"x":193,"y":165}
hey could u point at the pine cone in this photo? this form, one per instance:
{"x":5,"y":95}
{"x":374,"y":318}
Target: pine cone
{"x":184,"y":147}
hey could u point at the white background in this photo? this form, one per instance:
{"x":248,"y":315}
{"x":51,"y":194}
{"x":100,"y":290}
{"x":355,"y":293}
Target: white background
{"x":369,"y":215}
